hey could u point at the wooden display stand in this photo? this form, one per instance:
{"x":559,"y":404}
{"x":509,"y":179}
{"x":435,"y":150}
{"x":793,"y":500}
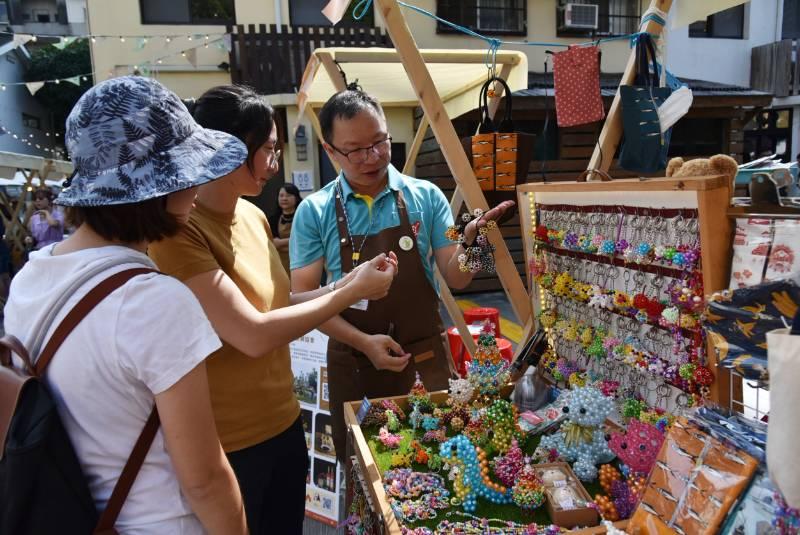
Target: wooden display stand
{"x":709,"y":195}
{"x":373,"y":477}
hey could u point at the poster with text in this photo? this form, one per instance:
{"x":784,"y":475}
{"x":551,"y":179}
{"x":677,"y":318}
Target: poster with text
{"x":324,"y":480}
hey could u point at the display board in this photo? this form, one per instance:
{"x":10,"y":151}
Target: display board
{"x":324,"y":481}
{"x":628,"y":264}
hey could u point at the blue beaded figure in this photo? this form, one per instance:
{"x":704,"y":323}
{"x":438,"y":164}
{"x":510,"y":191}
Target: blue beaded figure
{"x":581,"y":438}
{"x":461,"y":448}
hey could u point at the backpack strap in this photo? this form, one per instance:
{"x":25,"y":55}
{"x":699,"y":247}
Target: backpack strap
{"x":145,"y":440}
{"x":84,"y":306}
{"x":129,"y":472}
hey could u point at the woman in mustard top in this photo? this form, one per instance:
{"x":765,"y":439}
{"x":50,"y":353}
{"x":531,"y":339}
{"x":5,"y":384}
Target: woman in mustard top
{"x":226,"y":256}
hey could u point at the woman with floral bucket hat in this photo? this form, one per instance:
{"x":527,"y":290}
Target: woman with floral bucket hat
{"x":226,"y":256}
{"x":139,"y":158}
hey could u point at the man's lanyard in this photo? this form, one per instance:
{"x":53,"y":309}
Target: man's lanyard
{"x":356,"y":252}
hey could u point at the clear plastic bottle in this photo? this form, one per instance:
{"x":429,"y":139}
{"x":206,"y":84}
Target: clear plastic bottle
{"x":531,"y":391}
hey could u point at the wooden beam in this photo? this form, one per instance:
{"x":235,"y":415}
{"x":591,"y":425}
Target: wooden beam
{"x":612,"y":128}
{"x":419,"y":137}
{"x":388,"y":55}
{"x":332,"y":70}
{"x":442,"y":127}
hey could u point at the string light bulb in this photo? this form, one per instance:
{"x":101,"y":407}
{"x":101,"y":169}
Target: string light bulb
{"x":169,"y":39}
{"x":34,"y":38}
{"x":3,"y":87}
{"x":94,"y":39}
{"x":121,"y":39}
{"x":189,"y":37}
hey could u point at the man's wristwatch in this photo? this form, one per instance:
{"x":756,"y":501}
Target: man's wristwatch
{"x":332,"y":286}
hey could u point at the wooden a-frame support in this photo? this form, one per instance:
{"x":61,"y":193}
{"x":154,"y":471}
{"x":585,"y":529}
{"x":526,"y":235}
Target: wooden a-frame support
{"x":451,"y":148}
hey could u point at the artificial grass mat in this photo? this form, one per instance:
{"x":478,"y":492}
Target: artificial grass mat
{"x":485,"y":509}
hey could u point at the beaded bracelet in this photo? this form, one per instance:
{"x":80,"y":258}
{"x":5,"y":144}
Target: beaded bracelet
{"x":479,"y":254}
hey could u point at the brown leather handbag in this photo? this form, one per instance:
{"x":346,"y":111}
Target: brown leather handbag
{"x":499,"y":155}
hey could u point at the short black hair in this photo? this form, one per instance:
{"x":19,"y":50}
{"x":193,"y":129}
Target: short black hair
{"x":43,"y":193}
{"x":346,"y":104}
{"x":237,"y":110}
{"x":128,"y":223}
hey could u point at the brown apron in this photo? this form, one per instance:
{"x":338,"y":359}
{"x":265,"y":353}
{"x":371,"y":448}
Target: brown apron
{"x":410,"y":311}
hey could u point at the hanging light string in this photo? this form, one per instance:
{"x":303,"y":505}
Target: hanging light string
{"x":81,"y":77}
{"x":122,"y":38}
{"x":157,"y":60}
{"x":30,"y":141}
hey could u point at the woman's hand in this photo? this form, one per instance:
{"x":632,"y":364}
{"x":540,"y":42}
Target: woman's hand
{"x":373,"y":279}
{"x":390,"y":258}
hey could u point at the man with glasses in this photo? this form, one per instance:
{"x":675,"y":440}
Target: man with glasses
{"x":376,"y":348}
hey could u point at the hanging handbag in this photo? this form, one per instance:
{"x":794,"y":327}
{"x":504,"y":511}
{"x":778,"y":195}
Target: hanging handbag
{"x":645,"y":147}
{"x":499,"y":155}
{"x":576,"y":77}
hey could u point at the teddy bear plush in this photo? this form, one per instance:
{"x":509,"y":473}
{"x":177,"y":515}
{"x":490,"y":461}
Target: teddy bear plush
{"x":719,"y":164}
{"x":581,"y":437}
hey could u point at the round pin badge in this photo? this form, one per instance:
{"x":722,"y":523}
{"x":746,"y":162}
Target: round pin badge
{"x":406,"y":243}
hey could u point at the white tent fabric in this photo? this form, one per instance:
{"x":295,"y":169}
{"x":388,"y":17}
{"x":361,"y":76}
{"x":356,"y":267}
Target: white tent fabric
{"x":457,"y":75}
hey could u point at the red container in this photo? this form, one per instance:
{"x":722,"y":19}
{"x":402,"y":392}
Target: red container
{"x":461,"y":357}
{"x":478,"y":315}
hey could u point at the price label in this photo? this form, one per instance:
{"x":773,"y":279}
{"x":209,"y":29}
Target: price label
{"x":567,"y":503}
{"x":560,"y":483}
{"x":363,"y":410}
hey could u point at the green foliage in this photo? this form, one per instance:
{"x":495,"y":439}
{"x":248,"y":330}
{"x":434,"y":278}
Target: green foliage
{"x":49,"y":63}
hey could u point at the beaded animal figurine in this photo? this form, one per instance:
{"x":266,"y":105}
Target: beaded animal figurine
{"x":581,"y":438}
{"x":471,"y":481}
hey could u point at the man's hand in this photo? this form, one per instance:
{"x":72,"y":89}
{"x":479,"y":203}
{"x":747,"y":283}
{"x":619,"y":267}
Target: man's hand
{"x":379,"y":348}
{"x":496,"y":213}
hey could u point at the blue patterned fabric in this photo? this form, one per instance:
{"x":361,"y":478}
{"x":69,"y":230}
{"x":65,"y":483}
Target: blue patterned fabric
{"x":131,"y":139}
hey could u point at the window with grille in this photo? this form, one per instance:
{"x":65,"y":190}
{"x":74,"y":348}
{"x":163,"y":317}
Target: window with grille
{"x":187,"y":12}
{"x":614,"y":17}
{"x":727,"y":24}
{"x":491,"y":17}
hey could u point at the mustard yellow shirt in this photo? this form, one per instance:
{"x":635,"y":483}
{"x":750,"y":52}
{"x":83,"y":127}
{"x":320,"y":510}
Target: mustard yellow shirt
{"x":252,"y":398}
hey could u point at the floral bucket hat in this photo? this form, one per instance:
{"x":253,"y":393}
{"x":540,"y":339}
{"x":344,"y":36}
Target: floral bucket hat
{"x":131,"y":140}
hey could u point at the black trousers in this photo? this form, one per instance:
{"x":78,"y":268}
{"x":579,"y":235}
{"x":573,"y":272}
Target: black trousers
{"x":272,"y":478}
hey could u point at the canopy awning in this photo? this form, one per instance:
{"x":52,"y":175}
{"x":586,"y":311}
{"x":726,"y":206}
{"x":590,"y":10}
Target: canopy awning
{"x":457,"y":75}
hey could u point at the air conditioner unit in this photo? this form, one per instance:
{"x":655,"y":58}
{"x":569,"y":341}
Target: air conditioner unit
{"x":580,"y":16}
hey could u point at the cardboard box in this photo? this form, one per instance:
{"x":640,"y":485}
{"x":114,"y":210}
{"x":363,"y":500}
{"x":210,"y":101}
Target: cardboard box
{"x":565,"y":512}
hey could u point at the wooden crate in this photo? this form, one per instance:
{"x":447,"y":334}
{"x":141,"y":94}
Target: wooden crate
{"x":373,"y":477}
{"x":709,"y":195}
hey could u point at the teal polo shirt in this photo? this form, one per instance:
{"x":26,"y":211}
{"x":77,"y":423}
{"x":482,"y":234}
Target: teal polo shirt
{"x":315,"y":234}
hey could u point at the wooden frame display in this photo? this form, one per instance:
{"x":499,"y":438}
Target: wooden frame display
{"x":709,"y":196}
{"x":373,"y":478}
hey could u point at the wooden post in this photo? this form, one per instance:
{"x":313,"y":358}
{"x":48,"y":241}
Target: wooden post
{"x":431,"y":103}
{"x":333,"y":72}
{"x":419,"y":137}
{"x":612,"y":128}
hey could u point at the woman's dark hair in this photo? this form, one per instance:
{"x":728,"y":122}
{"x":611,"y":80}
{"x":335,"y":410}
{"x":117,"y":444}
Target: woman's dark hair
{"x":129,"y":223}
{"x":292,"y":190}
{"x":239,"y":111}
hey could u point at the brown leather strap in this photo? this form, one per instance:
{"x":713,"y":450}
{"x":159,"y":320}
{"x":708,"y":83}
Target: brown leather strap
{"x":128,"y":476}
{"x":11,"y":344}
{"x":84,"y":306}
{"x":589,"y":174}
{"x":145,"y":440}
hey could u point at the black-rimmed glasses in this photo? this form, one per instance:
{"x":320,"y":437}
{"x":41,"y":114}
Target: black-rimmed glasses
{"x":358,"y":156}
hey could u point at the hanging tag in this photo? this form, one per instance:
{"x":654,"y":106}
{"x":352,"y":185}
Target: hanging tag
{"x":363,"y":410}
{"x":361,"y":305}
{"x":406,"y":243}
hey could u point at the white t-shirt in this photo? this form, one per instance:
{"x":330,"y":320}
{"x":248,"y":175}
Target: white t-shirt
{"x":139,"y":341}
